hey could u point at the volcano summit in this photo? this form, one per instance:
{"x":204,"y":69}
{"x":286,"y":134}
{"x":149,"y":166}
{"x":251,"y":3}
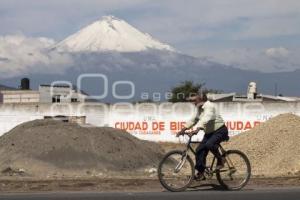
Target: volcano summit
{"x":110,"y":34}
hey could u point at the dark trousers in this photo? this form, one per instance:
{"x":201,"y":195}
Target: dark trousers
{"x":210,"y":142}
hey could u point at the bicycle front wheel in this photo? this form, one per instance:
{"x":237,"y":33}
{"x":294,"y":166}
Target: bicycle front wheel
{"x":176,"y":171}
{"x":236,"y":172}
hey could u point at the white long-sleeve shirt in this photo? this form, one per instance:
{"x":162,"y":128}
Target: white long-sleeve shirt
{"x":207,"y":118}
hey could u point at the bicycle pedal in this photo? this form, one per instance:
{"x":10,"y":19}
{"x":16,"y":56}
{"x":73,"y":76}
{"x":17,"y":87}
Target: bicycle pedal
{"x":197,"y":178}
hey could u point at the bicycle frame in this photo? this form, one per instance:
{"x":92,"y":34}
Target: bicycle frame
{"x":223,"y":151}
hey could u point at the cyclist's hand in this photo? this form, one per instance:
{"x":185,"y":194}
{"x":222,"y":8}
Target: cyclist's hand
{"x":190,"y":134}
{"x":182,"y":132}
{"x":179,"y":134}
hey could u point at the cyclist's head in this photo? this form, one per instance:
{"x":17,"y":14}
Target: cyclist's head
{"x":198,"y":100}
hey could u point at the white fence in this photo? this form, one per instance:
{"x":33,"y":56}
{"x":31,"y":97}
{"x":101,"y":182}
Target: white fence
{"x":149,"y":121}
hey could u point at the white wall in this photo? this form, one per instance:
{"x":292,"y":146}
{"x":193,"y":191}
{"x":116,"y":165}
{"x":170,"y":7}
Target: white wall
{"x":156,"y":122}
{"x":19,"y":97}
{"x":65,"y":93}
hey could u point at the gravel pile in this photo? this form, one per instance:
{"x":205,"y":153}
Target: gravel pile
{"x":272,"y":147}
{"x":54,"y":148}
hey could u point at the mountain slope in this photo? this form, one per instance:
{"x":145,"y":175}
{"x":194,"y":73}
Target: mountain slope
{"x":155,"y":74}
{"x":4,"y":87}
{"x":110,"y":34}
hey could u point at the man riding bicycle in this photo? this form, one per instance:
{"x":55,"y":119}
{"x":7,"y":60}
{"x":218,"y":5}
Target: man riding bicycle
{"x":209,"y":120}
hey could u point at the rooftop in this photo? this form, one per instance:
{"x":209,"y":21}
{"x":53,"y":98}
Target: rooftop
{"x":56,"y":86}
{"x":19,"y":91}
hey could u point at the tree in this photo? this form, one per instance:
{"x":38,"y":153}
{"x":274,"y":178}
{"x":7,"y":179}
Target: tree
{"x":187,"y":89}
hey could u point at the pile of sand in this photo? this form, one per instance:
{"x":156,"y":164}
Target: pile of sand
{"x":273,"y":147}
{"x":54,"y":148}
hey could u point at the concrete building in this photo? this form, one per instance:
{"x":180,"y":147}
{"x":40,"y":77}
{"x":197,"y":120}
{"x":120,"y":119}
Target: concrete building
{"x":60,"y":94}
{"x":233,"y":97}
{"x":251,"y":96}
{"x":45,"y":94}
{"x":19,"y":96}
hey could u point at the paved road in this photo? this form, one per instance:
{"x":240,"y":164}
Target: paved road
{"x":262,"y":194}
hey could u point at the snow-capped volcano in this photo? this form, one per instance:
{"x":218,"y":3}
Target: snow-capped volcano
{"x":110,"y":34}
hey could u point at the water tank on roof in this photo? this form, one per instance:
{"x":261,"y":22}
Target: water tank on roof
{"x":25,"y":84}
{"x":252,"y":90}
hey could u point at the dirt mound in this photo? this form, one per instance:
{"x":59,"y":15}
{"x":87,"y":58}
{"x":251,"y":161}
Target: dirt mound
{"x":55,"y":148}
{"x":272,"y":147}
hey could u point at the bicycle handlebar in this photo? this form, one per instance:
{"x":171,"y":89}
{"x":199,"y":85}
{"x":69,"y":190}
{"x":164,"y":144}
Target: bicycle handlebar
{"x":186,"y":133}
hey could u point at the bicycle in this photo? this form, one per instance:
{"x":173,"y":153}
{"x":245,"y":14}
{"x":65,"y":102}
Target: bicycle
{"x":176,"y":171}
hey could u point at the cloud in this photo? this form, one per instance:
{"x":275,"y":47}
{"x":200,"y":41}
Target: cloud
{"x":55,"y":18}
{"x":24,"y":55}
{"x":277,"y":52}
{"x":186,"y":22}
{"x":173,"y":21}
{"x":21,"y":55}
{"x":232,"y":32}
{"x":275,"y":59}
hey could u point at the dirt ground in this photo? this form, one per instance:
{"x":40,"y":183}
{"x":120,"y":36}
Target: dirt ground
{"x":130,"y":184}
{"x":55,"y":149}
{"x":126,"y":185}
{"x":272,"y":147}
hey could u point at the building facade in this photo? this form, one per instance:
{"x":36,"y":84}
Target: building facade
{"x":59,"y":94}
{"x":45,"y":94}
{"x":19,"y":96}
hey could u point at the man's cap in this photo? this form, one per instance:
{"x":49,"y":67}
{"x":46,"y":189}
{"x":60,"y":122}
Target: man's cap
{"x":196,"y":97}
{"x":193,"y":98}
{"x":200,"y":97}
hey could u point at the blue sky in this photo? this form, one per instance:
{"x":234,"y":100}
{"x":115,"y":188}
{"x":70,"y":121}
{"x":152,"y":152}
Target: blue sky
{"x":251,"y":34}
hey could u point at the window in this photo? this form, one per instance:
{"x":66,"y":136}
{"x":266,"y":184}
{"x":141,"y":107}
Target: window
{"x":74,"y":100}
{"x":56,"y":99}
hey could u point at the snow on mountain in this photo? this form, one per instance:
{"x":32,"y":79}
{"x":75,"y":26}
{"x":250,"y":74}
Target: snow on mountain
{"x":110,"y":34}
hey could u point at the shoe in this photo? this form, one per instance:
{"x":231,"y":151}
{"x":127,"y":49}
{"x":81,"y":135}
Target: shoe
{"x":220,"y":164}
{"x":199,"y":177}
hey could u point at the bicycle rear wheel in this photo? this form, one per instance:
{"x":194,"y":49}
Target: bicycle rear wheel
{"x":176,"y":171}
{"x":236,"y":172}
